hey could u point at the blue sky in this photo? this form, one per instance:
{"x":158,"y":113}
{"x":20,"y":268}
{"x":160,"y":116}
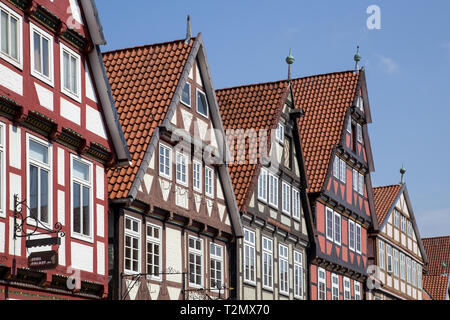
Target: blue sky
{"x":407,"y":65}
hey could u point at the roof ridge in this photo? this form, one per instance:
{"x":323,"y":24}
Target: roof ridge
{"x":145,"y":46}
{"x":388,"y":186}
{"x":437,"y":237}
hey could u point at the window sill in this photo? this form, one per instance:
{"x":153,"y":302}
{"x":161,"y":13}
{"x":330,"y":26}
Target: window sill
{"x":71,"y":95}
{"x":42,"y":78}
{"x":250,"y":283}
{"x":82,"y":238}
{"x":11,"y":61}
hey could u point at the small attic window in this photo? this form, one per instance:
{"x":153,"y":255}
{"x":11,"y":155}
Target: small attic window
{"x":202,"y":103}
{"x":360,"y":103}
{"x":280,"y":133}
{"x":186,"y":94}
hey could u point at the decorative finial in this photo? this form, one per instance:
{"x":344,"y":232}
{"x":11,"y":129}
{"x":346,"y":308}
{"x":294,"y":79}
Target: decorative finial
{"x":357,"y":58}
{"x":188,"y":30}
{"x":402,"y":172}
{"x":290,"y":60}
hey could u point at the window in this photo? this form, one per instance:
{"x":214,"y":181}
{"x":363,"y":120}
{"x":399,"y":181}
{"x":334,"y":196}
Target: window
{"x":209,"y":182}
{"x":343,"y":171}
{"x":267,"y":261}
{"x":403,"y":221}
{"x":202,"y":103}
{"x":329,"y":223}
{"x":165,"y":161}
{"x":408,"y":269}
{"x":322,"y":284}
{"x":402,"y":266}
{"x":197,"y":175}
{"x":337,"y":228}
{"x":410,"y":229}
{"x":336,"y":165}
{"x":82,"y":217}
{"x":381,"y":254}
{"x":349,"y":125}
{"x":286,"y":198}
{"x":262,"y":185}
{"x":361,"y":184}
{"x":2,"y":171}
{"x":186,"y":94}
{"x":283,"y":266}
{"x":39,"y":179}
{"x":414,"y":274}
{"x":296,"y":204}
{"x":351,"y":235}
{"x":132,"y":245}
{"x":358,"y":238}
{"x":10,"y":35}
{"x":395,"y":262}
{"x":357,"y":287}
{"x":334,"y":286}
{"x":249,"y":256}
{"x":182,"y":169}
{"x":359,"y":133}
{"x":195,"y":261}
{"x":298,"y":274}
{"x":41,"y":44}
{"x":360,"y":103}
{"x":347,"y":292}
{"x":70,"y":73}
{"x":279,"y":133}
{"x":388,"y":258}
{"x":154,"y":251}
{"x":273,"y":190}
{"x":287,"y":153}
{"x":216,"y":263}
{"x":396,"y":218}
{"x":355,"y":181}
{"x":419,"y":276}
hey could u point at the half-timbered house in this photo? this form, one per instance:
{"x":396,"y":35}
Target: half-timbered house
{"x":436,"y":277}
{"x":396,"y":248}
{"x":268,"y":176}
{"x":58,"y":133}
{"x":175,"y":216}
{"x":338,"y":161}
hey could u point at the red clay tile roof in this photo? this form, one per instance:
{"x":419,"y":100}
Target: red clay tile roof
{"x":324,"y":99}
{"x":436,"y":286}
{"x":438,"y":252}
{"x":383,"y":198}
{"x":143,"y":81}
{"x":256,"y":107}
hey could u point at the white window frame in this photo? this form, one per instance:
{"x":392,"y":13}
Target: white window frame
{"x":343,"y":173}
{"x":413,"y":273}
{"x":283,"y":265}
{"x":216,"y":258}
{"x":286,"y":198}
{"x":329,"y":224}
{"x":42,"y":34}
{"x":395,"y":260}
{"x":336,"y":167}
{"x":182,"y":161}
{"x":63,"y":48}
{"x":249,"y":277}
{"x":402,"y":266}
{"x":381,"y":255}
{"x":410,"y":228}
{"x":5,"y":56}
{"x":403,"y":223}
{"x":361,"y":184}
{"x":280,"y":133}
{"x":321,"y":281}
{"x":273,"y":190}
{"x":337,"y":225}
{"x":347,"y":289}
{"x":90,"y":185}
{"x":349,"y":124}
{"x":190,"y":95}
{"x":419,"y":276}
{"x":163,"y":173}
{"x":357,"y":289}
{"x":41,"y":166}
{"x":196,"y":252}
{"x":3,"y":149}
{"x":359,"y":133}
{"x":296,"y":204}
{"x":408,"y":270}
{"x":358,"y":238}
{"x":199,"y":165}
{"x":157,"y":242}
{"x":335,"y":287}
{"x":132,"y":234}
{"x":396,"y":218}
{"x":389,"y":266}
{"x":209,"y":185}
{"x":355,"y":181}
{"x":267,"y":254}
{"x":262,"y":185}
{"x":198,"y":91}
{"x":298,"y":274}
{"x":351,"y":234}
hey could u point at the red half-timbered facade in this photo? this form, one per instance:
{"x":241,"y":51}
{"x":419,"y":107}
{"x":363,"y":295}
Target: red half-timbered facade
{"x":58,"y":134}
{"x":338,"y":163}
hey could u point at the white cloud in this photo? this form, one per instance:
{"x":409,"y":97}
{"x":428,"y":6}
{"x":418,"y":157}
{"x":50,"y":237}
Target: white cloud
{"x":387,"y":65}
{"x":434,"y":223}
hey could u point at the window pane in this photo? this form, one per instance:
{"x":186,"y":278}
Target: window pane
{"x":81,"y":170}
{"x":38,"y":152}
{"x":45,"y":58}
{"x":76,"y":208}
{"x":74,"y":75}
{"x":37,"y":52}
{"x":186,"y":95}
{"x":202,"y":105}
{"x":5,"y":32}
{"x":86,"y":212}
{"x":33,"y":192}
{"x":44,"y":196}
{"x":1,"y":174}
{"x":14,"y":42}
{"x":66,"y":70}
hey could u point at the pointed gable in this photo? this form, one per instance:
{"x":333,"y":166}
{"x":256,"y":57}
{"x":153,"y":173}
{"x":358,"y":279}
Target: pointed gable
{"x":384,"y":198}
{"x":143,"y":82}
